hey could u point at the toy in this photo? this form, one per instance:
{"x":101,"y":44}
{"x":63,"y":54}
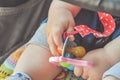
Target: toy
{"x":72,"y":58}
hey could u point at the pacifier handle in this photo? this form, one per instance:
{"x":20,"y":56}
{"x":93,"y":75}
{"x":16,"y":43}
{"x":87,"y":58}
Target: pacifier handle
{"x":73,"y":62}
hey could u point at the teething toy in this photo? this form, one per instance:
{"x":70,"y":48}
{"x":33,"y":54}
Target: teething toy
{"x":68,"y":55}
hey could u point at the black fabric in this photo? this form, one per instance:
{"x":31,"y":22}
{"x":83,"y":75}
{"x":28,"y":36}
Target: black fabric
{"x":18,"y":24}
{"x":110,"y":6}
{"x":91,"y":19}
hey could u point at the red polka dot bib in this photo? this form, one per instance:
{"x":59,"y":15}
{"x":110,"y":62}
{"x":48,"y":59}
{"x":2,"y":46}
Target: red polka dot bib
{"x":108,"y":25}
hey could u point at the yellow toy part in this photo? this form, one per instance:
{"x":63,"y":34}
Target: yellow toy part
{"x":78,"y":51}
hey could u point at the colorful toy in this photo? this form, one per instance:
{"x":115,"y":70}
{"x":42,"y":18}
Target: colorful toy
{"x":70,"y":56}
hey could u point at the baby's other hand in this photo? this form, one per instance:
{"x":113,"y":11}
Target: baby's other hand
{"x":100,"y":65}
{"x":60,"y":20}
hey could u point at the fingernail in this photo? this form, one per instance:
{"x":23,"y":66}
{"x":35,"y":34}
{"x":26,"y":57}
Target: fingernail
{"x":71,"y":38}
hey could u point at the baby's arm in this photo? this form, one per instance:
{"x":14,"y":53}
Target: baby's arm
{"x":57,"y":5}
{"x":112,"y":50}
{"x":103,"y":59}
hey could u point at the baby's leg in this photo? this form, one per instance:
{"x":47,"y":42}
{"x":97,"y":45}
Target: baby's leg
{"x":34,"y":62}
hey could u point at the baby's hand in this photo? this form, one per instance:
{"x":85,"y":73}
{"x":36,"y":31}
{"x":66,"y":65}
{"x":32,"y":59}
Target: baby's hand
{"x":60,"y":20}
{"x":100,"y":65}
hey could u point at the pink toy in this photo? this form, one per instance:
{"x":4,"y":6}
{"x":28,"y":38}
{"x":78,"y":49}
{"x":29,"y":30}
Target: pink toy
{"x":73,"y":62}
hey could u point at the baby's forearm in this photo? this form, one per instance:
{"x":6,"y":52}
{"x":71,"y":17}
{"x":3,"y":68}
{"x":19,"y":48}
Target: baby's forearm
{"x":61,"y":4}
{"x":113,"y":51}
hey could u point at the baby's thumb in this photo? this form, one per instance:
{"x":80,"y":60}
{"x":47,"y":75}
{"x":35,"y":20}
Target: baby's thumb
{"x":78,"y":71}
{"x":70,"y":28}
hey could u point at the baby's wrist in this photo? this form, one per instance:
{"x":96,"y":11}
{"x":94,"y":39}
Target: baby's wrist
{"x":64,"y":5}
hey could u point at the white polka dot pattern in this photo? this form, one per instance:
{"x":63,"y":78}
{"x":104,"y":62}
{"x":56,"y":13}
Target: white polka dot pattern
{"x":108,"y":24}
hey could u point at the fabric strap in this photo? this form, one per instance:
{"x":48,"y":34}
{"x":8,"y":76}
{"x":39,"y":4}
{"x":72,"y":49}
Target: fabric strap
{"x":84,"y":30}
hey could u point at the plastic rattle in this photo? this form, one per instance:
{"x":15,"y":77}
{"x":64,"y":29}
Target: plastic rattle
{"x":68,"y":56}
